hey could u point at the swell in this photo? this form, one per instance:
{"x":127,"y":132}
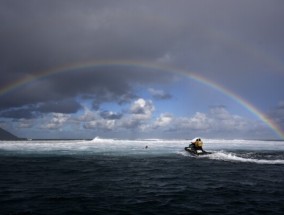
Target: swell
{"x":173,"y":184}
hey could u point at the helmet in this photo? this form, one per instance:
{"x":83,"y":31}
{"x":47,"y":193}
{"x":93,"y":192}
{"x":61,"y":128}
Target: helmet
{"x":196,"y":139}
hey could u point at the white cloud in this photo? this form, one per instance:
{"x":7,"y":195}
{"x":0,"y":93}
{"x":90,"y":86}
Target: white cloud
{"x":159,"y":94}
{"x":57,"y":121}
{"x":140,"y":114}
{"x":26,"y":123}
{"x":219,"y":112}
{"x":130,"y":122}
{"x":94,"y":120}
{"x":100,"y":124}
{"x":142,"y":109}
{"x":223,"y":120}
{"x":87,"y":116}
{"x":165,"y":119}
{"x":139,"y":118}
{"x":167,"y":58}
{"x":218,"y":121}
{"x":199,"y":121}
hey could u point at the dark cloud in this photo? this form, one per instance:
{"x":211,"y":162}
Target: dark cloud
{"x":197,"y":35}
{"x":277,"y":114}
{"x":35,"y":110}
{"x":66,"y":106}
{"x":38,"y":35}
{"x":22,"y":113}
{"x":238,"y":44}
{"x":103,"y":84}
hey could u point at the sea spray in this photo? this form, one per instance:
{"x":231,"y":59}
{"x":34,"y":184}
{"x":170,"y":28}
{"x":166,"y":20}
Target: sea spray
{"x":233,"y":157}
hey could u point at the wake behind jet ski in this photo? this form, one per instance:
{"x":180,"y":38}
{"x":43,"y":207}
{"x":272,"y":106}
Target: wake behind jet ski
{"x":195,"y":147}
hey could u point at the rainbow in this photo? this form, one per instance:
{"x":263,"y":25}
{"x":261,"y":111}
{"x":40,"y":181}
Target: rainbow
{"x":77,"y":66}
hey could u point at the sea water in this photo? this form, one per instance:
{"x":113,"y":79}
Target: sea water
{"x":107,"y":176}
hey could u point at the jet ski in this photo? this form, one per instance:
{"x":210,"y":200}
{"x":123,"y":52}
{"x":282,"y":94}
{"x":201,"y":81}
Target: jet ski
{"x":196,"y":152}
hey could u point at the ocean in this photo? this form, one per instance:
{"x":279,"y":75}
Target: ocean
{"x":107,"y":176}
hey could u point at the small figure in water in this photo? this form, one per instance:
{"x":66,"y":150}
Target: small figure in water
{"x":146,"y":147}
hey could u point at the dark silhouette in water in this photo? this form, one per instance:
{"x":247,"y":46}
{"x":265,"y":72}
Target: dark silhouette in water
{"x":5,"y":135}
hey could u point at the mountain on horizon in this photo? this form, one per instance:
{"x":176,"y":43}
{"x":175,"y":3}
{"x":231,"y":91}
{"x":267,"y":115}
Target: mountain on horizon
{"x":5,"y":135}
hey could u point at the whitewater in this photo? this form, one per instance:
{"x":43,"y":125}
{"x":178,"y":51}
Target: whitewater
{"x":248,"y":151}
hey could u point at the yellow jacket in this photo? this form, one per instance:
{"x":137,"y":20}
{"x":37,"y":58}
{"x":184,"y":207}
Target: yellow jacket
{"x":198,"y":144}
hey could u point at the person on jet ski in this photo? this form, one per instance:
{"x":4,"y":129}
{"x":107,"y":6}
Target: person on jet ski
{"x":196,"y":144}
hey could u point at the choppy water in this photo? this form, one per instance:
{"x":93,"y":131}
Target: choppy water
{"x":122,"y":177}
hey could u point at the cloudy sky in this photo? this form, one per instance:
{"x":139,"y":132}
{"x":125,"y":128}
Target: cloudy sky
{"x":125,"y":69}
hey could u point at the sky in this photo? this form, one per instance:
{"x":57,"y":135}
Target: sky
{"x":142,"y":69}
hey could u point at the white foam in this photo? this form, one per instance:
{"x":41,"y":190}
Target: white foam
{"x":226,"y":150}
{"x":234,"y":158}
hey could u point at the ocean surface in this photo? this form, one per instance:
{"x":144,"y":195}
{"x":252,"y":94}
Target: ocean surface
{"x":106,"y":176}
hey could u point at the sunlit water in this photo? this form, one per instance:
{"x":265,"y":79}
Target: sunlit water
{"x":106,"y":176}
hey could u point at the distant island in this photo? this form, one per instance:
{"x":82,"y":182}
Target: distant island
{"x":5,"y":135}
